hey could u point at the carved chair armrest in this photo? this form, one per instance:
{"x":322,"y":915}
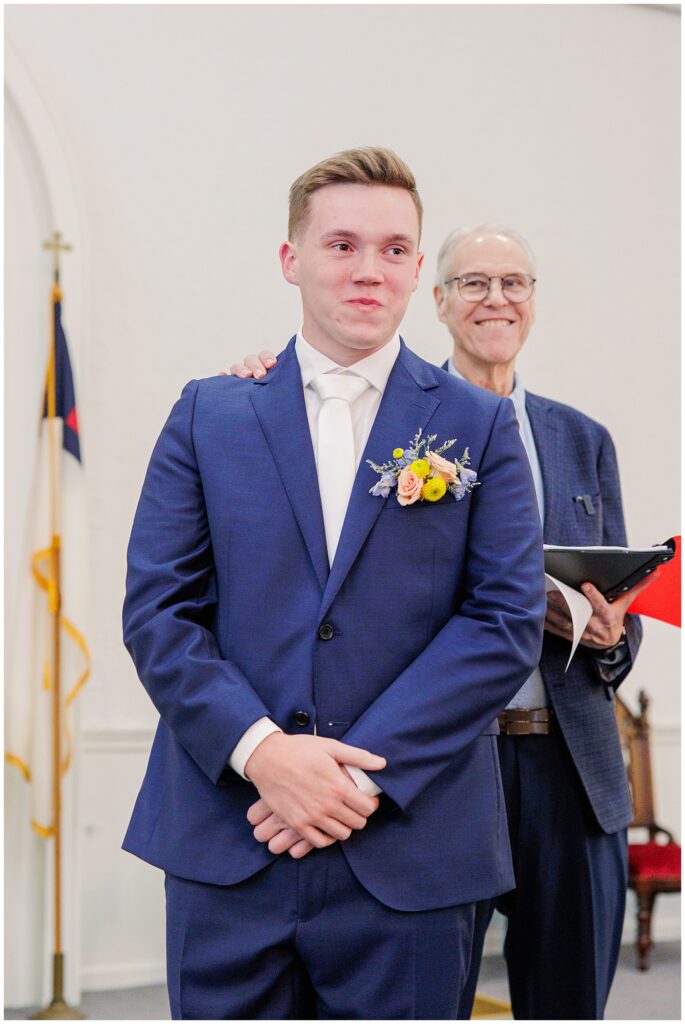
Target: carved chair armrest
{"x":658,"y":830}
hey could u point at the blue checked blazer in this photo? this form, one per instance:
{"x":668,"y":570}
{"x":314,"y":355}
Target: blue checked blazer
{"x":577,"y":456}
{"x":435,"y":614}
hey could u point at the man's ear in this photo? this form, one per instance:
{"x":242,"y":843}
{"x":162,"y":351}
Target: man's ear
{"x":288,"y":257}
{"x":439,"y":296}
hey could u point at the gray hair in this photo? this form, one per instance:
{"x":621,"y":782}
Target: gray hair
{"x":459,"y":235}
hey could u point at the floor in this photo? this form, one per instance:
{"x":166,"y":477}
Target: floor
{"x":635,"y":995}
{"x":654,"y":995}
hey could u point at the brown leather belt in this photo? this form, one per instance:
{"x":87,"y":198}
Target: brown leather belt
{"x":526,"y":721}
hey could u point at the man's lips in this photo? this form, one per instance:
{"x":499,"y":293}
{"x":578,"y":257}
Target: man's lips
{"x":495,"y":322}
{"x":365,"y":303}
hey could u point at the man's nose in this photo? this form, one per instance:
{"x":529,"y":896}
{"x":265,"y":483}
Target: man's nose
{"x":495,"y":296}
{"x":368,"y":268}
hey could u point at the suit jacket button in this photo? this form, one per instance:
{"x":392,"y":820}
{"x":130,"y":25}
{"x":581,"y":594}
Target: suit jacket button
{"x":326,"y":631}
{"x":302,"y":718}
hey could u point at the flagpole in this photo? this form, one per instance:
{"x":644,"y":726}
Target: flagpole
{"x":58,"y":1008}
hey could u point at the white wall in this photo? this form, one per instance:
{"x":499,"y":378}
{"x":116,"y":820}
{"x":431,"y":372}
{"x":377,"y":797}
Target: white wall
{"x":183,"y":128}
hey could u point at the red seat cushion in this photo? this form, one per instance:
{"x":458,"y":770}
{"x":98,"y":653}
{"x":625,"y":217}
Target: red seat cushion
{"x":652,"y":860}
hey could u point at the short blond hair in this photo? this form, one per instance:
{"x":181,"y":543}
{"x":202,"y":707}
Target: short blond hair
{"x":367,"y":165}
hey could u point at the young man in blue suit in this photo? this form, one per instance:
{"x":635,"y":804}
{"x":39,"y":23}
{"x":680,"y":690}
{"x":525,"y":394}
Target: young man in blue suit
{"x":564,"y":781}
{"x":325,"y":798}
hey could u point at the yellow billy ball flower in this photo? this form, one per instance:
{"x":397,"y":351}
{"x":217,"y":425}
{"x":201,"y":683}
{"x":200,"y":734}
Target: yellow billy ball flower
{"x":397,"y":453}
{"x":421,"y":467}
{"x":433,"y":489}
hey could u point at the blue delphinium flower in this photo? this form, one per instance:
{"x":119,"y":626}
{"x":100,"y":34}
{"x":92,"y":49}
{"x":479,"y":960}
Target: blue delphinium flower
{"x":458,"y":490}
{"x":384,"y":486}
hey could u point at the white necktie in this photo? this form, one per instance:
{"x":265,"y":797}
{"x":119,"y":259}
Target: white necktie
{"x":336,"y":461}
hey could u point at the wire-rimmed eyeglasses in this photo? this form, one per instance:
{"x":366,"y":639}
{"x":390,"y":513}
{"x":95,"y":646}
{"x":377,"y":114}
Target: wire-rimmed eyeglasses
{"x":476,"y":287}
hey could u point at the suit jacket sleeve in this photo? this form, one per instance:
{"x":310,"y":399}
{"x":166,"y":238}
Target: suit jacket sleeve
{"x":450,"y":694}
{"x":614,"y":533}
{"x":170,"y":600}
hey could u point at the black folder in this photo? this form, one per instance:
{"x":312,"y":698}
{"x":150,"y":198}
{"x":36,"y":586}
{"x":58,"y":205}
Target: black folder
{"x":612,"y":570}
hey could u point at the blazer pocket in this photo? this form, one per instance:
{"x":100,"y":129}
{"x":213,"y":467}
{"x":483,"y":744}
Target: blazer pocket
{"x":586,"y":515}
{"x":393,"y":505}
{"x":587,"y":505}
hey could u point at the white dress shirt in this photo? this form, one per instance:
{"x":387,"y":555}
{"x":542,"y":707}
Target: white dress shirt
{"x":533,"y":693}
{"x":375,"y":369}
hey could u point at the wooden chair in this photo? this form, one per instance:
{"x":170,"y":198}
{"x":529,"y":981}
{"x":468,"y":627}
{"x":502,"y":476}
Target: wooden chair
{"x":653,"y":866}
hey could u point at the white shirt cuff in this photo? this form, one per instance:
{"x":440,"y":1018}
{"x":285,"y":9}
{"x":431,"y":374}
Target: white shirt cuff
{"x":362,"y":781}
{"x":248,"y":743}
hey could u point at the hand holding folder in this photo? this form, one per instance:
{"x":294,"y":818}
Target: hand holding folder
{"x":615,"y":571}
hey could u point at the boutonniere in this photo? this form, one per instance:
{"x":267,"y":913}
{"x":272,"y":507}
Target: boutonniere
{"x":421,"y":473}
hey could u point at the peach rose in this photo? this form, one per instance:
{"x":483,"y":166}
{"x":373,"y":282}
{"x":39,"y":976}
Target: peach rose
{"x":442,"y":468}
{"x":408,"y":487}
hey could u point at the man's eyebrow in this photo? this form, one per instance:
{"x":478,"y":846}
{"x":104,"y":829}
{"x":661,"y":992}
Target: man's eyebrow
{"x":404,"y":239}
{"x":329,"y":236}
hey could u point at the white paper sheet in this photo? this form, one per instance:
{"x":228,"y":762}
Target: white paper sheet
{"x":579,"y":608}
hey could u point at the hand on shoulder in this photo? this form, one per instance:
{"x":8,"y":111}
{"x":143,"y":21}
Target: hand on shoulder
{"x":254,"y":365}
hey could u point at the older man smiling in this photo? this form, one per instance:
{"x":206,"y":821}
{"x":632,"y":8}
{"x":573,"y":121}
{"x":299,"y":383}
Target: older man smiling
{"x":567,"y":798}
{"x":485,"y":295}
{"x":565,"y":787}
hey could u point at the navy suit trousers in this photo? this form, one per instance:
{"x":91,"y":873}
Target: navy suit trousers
{"x":565,"y":917}
{"x":303,"y":940}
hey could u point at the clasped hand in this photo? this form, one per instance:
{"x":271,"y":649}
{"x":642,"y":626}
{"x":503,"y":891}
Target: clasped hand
{"x":307,"y":798}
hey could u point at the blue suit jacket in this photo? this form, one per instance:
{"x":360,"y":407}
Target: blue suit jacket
{"x":436,"y":611}
{"x":577,"y":456}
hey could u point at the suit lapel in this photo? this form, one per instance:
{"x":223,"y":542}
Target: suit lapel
{"x":548,"y":446}
{"x":278,"y":401}
{"x":405,"y":407}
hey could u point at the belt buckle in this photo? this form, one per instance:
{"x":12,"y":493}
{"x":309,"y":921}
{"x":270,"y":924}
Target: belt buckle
{"x":524,"y":723}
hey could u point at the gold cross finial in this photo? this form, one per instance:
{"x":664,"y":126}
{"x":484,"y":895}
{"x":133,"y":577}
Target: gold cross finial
{"x":57,"y":246}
